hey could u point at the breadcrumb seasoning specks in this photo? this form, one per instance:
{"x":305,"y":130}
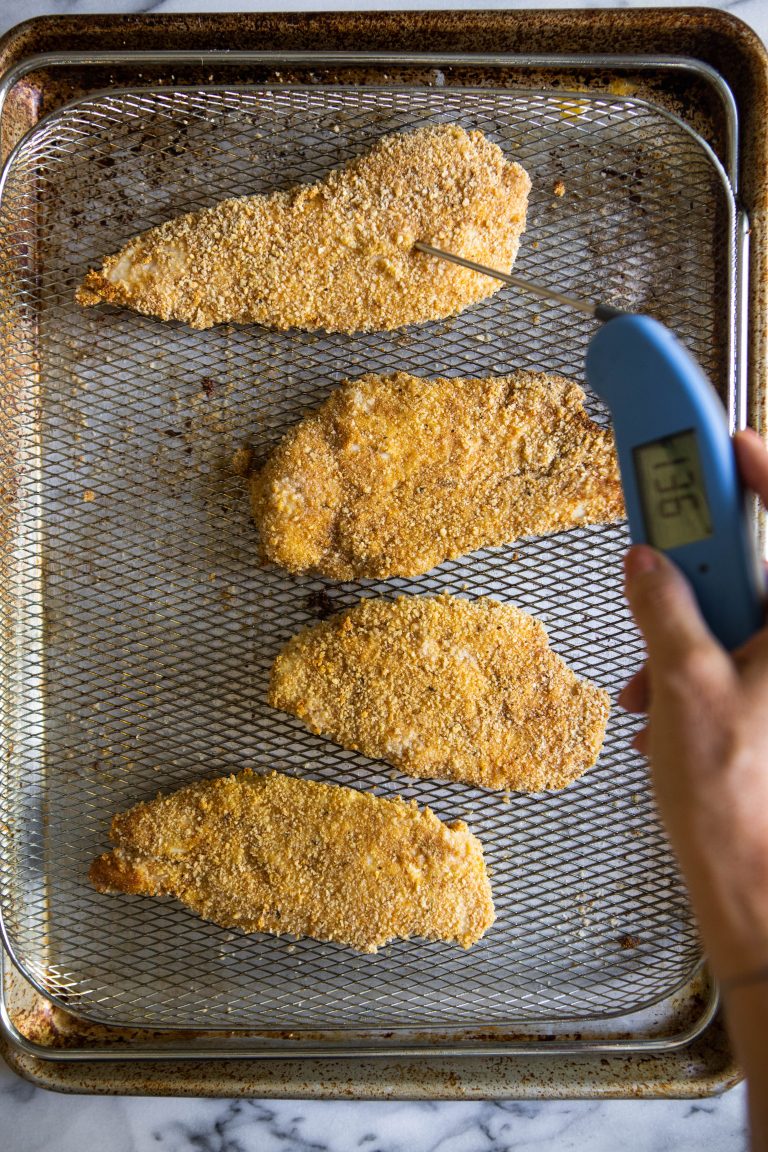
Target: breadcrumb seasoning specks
{"x":395,"y":474}
{"x":447,"y":688}
{"x":335,"y":255}
{"x":277,"y":854}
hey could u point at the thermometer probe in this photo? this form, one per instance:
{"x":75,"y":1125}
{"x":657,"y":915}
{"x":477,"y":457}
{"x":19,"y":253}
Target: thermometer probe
{"x":678,"y":469}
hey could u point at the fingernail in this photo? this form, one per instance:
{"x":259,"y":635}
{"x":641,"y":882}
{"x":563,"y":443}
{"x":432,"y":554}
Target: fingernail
{"x":641,"y":559}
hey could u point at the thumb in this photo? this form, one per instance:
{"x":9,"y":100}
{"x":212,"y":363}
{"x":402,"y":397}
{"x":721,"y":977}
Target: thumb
{"x":664,"y":606}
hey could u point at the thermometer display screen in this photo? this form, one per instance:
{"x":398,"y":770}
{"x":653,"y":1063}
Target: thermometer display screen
{"x":672,"y":491}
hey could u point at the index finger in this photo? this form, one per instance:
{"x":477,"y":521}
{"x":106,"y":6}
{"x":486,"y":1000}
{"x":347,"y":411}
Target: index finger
{"x":752,"y":459}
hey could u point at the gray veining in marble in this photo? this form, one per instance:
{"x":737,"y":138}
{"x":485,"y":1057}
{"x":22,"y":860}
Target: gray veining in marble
{"x":32,"y":1120}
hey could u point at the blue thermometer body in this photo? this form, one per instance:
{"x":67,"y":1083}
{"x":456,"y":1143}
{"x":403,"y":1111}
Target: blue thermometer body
{"x":678,"y":469}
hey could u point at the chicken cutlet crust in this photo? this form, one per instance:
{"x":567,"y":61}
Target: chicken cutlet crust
{"x":447,"y":688}
{"x":395,"y":474}
{"x":338,"y":254}
{"x":273,"y":853}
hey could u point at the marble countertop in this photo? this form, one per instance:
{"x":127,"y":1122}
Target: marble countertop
{"x":32,"y":1119}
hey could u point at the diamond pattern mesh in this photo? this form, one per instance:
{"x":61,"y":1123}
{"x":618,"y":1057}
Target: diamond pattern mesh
{"x":137,"y":630}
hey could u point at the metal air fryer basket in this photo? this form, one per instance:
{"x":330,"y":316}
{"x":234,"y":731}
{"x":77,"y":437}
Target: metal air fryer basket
{"x":138,"y":628}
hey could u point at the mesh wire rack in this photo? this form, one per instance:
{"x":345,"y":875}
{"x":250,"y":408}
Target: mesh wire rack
{"x":138,"y":630}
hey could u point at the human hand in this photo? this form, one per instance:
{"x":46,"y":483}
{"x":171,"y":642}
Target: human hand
{"x":707,"y":740}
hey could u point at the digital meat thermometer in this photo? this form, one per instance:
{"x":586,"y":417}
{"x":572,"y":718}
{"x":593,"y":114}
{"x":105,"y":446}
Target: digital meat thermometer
{"x":678,"y":469}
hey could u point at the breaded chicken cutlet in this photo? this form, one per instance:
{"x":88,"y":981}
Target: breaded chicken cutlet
{"x":395,"y":474}
{"x":445,"y":687}
{"x":277,"y":854}
{"x":335,"y":255}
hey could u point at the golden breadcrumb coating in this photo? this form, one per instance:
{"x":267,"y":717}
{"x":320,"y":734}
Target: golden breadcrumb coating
{"x":394,"y":474}
{"x":277,"y":854}
{"x":447,"y":688}
{"x":334,"y":255}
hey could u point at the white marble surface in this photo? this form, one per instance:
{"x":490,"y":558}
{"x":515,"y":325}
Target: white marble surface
{"x":32,"y":1120}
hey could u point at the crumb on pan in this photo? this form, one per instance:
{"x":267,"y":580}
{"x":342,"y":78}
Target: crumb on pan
{"x":242,"y":460}
{"x":629,"y":943}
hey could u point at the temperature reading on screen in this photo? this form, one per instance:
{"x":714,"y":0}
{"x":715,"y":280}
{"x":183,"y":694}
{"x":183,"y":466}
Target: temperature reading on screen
{"x":672,"y":491}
